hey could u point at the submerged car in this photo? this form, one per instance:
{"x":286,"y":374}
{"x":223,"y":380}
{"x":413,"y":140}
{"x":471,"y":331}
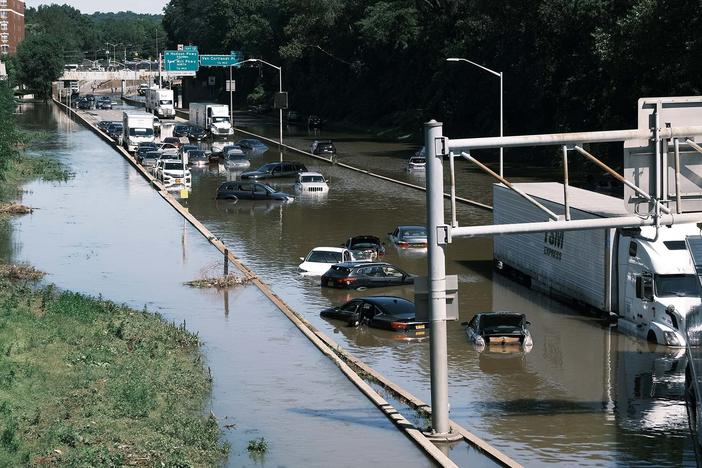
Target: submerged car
{"x":362,"y":275}
{"x":236,"y":190}
{"x":365,"y":247}
{"x":172,"y":172}
{"x":386,"y":312}
{"x":417,"y":163}
{"x":311,"y":182}
{"x":197,"y":157}
{"x":279,"y":169}
{"x":252,"y":144}
{"x":320,"y":259}
{"x":197,"y":133}
{"x":499,"y":329}
{"x":409,"y":237}
{"x":181,"y":130}
{"x":236,"y":160}
{"x":323,"y":148}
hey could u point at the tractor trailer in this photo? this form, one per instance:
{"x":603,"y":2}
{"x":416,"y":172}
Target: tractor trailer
{"x":214,"y":118}
{"x":645,"y":277}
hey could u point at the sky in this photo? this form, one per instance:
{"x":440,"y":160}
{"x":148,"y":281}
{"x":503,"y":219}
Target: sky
{"x":91,"y":6}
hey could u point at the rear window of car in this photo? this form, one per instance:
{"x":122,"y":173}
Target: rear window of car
{"x":324,"y":256}
{"x":340,"y":269}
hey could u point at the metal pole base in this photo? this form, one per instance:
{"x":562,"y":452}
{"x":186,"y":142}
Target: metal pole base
{"x":450,"y":436}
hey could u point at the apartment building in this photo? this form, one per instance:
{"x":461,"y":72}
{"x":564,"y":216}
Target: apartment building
{"x":11,"y":25}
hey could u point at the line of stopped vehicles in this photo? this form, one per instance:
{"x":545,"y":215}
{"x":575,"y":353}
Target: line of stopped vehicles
{"x":357,"y":264}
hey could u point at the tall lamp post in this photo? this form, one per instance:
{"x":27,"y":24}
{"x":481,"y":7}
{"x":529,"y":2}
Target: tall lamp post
{"x":499,"y":75}
{"x":114,"y":50}
{"x":280,"y":89}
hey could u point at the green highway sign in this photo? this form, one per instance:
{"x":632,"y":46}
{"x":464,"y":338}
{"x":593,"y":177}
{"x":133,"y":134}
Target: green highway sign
{"x":185,"y":60}
{"x":216,"y":60}
{"x":221,"y":60}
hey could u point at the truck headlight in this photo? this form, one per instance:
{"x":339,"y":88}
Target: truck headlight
{"x":671,"y":339}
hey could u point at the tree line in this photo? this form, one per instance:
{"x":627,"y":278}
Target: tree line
{"x":569,"y":65}
{"x":60,"y":34}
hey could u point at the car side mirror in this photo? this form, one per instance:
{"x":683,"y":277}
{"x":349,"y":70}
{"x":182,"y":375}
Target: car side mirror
{"x":302,"y":258}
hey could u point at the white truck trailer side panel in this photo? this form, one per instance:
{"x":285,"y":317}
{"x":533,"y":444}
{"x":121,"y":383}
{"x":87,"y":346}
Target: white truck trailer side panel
{"x":576,"y":264}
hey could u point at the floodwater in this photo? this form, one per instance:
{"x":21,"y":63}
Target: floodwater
{"x":585,"y":395}
{"x":106,"y":232}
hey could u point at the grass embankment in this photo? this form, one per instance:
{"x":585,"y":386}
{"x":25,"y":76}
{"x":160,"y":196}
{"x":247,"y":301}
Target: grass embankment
{"x":85,"y":382}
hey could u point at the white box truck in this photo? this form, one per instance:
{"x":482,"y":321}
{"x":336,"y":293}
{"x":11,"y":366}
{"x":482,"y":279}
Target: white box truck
{"x":159,"y":101}
{"x":138,"y":127}
{"x":214,"y":118}
{"x":645,"y":276}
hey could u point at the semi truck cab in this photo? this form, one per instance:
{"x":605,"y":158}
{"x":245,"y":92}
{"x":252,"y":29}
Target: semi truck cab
{"x":658,"y":282}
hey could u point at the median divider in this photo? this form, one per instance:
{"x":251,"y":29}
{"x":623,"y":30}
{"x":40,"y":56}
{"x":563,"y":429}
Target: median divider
{"x":349,"y":365}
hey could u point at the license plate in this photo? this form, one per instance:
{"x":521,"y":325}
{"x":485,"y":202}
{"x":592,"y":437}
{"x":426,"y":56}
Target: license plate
{"x":178,"y":181}
{"x":419,"y":327}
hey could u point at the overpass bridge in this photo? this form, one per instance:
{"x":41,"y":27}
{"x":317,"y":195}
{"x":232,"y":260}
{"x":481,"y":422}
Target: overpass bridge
{"x":122,"y":75}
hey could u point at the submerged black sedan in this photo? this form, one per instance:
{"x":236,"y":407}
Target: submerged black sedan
{"x":386,"y":312}
{"x":362,"y":275}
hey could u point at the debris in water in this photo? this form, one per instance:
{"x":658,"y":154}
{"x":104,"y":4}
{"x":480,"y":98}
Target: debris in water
{"x":218,"y":282}
{"x":15,"y":208}
{"x":20,"y":272}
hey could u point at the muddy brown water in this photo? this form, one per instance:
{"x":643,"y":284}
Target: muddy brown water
{"x":106,"y":232}
{"x":584,"y":395}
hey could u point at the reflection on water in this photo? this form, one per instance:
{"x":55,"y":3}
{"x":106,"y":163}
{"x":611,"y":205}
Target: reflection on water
{"x":107,"y":232}
{"x":584,"y":395}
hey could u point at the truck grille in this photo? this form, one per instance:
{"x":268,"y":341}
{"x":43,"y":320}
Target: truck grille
{"x":315,"y":189}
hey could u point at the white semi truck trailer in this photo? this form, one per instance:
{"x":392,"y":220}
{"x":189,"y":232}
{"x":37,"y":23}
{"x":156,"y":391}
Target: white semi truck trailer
{"x":159,"y":101}
{"x":214,"y":118}
{"x":643,"y":276}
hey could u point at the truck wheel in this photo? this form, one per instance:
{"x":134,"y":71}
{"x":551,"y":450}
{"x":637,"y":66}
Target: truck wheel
{"x":651,"y":337}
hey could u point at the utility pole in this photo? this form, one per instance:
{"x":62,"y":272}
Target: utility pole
{"x":438,"y":348}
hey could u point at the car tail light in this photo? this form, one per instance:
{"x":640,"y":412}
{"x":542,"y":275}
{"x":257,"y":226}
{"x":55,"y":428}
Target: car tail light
{"x":347,"y":281}
{"x":403,"y":244}
{"x":398,"y":325}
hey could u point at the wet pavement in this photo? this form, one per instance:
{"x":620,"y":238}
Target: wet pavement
{"x":584,"y":395}
{"x":106,"y":232}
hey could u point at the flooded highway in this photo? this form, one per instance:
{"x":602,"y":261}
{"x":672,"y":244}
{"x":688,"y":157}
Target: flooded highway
{"x":584,"y":395}
{"x":106,"y":232}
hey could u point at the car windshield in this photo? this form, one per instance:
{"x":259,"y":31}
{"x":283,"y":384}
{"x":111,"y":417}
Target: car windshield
{"x":418,"y":160}
{"x":196,"y":154}
{"x":501,"y":321}
{"x":324,"y":256}
{"x":235,"y":156}
{"x":181,"y":128}
{"x":153,"y":154}
{"x":220,"y":119}
{"x":197,"y":130}
{"x":141,"y":132}
{"x":165,"y":102}
{"x":676,"y":286}
{"x":312,"y":178}
{"x":414,"y":232}
{"x":173,"y":167}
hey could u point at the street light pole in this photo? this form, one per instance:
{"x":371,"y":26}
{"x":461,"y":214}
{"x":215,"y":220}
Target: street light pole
{"x":500,"y":76}
{"x":280,"y":90}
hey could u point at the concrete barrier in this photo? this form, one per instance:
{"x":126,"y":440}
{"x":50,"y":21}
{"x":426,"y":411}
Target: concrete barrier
{"x":350,"y":366}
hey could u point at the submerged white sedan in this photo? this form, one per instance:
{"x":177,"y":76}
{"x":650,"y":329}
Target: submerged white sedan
{"x":320,"y":259}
